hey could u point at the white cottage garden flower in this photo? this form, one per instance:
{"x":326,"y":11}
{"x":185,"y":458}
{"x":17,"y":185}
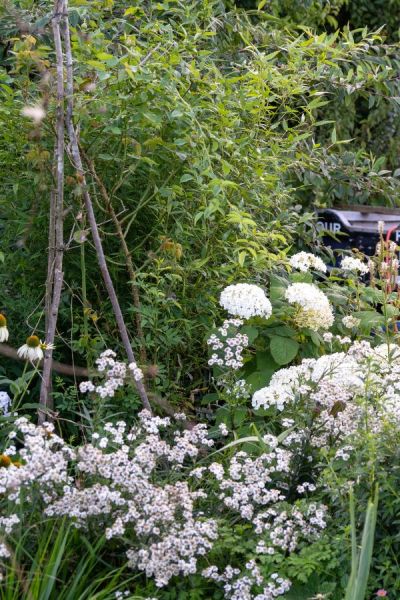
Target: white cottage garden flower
{"x":304,"y":261}
{"x":114,"y":374}
{"x":32,"y":349}
{"x":228,"y":345}
{"x":245,"y":300}
{"x":315,"y":310}
{"x":136,"y":371}
{"x":3,"y":329}
{"x":5,"y":402}
{"x":351,"y":322}
{"x":353,"y":265}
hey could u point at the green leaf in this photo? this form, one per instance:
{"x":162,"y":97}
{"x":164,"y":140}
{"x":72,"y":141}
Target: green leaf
{"x":301,"y":277}
{"x":251,"y":332}
{"x":239,"y":415}
{"x":370,"y":319}
{"x":131,"y":11}
{"x":259,"y":379}
{"x":242,"y":257}
{"x":223,"y":416}
{"x":186,"y":177}
{"x":283,"y":349}
{"x":282,"y":330}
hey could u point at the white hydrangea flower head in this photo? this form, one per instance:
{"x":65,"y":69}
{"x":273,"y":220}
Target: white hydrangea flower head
{"x":304,"y":261}
{"x":315,"y":309}
{"x":354,"y":265}
{"x":245,"y":300}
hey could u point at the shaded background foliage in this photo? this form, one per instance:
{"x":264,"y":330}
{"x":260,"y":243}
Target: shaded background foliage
{"x":215,"y":131}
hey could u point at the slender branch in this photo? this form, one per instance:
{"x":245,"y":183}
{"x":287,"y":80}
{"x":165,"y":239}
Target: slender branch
{"x":56,"y":228}
{"x":64,"y":369}
{"x":125,"y":249}
{"x":76,"y":155}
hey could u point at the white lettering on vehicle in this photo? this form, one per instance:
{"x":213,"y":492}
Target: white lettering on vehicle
{"x":334,"y":227}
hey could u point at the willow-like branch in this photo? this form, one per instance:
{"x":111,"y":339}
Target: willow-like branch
{"x":56,"y":228}
{"x":76,"y":157}
{"x":128,"y":258}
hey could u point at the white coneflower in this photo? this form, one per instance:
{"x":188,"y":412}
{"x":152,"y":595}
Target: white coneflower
{"x":32,"y":349}
{"x":3,"y":329}
{"x":35,"y":112}
{"x":46,"y":345}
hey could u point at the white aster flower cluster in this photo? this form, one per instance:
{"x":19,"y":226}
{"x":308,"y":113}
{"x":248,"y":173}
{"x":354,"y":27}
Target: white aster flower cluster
{"x":354,"y":265}
{"x":304,"y":261}
{"x":43,"y":458}
{"x":120,"y":485}
{"x":228,"y":346}
{"x":162,"y":518}
{"x":351,"y":322}
{"x":114,"y":489}
{"x":245,"y":300}
{"x":7,"y":524}
{"x":239,"y":390}
{"x":256,"y":488}
{"x":314,"y":309}
{"x":238,"y":585}
{"x":136,"y":371}
{"x":333,"y":389}
{"x":115,"y":375}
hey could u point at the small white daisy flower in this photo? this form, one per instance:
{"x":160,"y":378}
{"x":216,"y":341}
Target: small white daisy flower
{"x":3,"y":329}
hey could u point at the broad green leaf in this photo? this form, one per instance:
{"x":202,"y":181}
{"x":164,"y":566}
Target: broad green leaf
{"x":283,"y":349}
